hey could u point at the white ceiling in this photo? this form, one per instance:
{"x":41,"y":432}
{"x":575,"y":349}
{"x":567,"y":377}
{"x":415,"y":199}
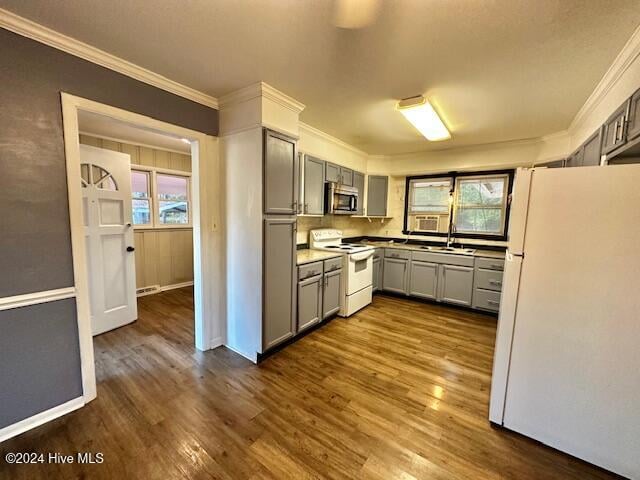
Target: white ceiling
{"x":496,"y":70}
{"x":103,"y":126}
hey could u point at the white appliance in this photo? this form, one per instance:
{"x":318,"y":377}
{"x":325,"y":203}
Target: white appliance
{"x":567,"y":360}
{"x":357,"y":268}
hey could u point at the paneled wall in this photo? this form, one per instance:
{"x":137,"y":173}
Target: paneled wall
{"x":164,"y":256}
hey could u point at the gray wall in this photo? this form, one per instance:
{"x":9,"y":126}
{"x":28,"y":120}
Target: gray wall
{"x":35,"y":240}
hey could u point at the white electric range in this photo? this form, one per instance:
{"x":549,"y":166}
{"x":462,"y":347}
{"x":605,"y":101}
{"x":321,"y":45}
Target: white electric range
{"x":357,"y":268}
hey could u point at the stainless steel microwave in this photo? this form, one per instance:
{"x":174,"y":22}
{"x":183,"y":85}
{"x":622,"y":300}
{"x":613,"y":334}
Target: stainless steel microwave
{"x":341,"y":199}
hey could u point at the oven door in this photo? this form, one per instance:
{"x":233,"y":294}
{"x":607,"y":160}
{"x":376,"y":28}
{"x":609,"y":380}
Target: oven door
{"x":359,"y":271}
{"x":344,"y":203}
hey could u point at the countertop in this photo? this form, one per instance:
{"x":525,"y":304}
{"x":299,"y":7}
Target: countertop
{"x":408,"y":246}
{"x":307,"y":256}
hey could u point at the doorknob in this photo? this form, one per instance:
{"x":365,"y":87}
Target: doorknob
{"x":130,"y":249}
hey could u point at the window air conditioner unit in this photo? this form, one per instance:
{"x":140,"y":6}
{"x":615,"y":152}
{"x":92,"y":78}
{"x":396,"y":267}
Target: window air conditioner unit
{"x":427,"y":223}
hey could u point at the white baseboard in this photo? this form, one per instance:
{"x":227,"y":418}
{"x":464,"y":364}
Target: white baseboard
{"x":176,"y":285}
{"x":253,"y":358}
{"x":43,"y":417}
{"x":216,"y":342}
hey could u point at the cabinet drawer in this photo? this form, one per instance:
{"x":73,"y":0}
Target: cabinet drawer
{"x":397,"y":253}
{"x":309,"y":270}
{"x":461,"y":260}
{"x":486,"y":300}
{"x":490,"y":263}
{"x":488,"y":279}
{"x":332,"y":264}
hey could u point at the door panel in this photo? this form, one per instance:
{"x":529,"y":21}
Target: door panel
{"x":633,"y":129}
{"x":332,"y":173}
{"x":457,"y":284}
{"x":346,"y":176}
{"x":313,"y":186}
{"x":377,"y":196}
{"x":395,"y":275}
{"x":591,"y":149}
{"x":106,"y":190}
{"x":280,"y":283}
{"x":614,"y":129}
{"x":423,"y":280}
{"x":331,"y":293}
{"x":309,"y":302}
{"x":280,"y":175}
{"x":358,"y":182}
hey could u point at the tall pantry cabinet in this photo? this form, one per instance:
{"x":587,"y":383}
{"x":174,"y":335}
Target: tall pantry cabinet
{"x":280,"y":196}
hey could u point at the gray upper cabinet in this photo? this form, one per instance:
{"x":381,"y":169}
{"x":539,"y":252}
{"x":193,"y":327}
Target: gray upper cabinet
{"x":456,"y":284}
{"x":423,"y":280}
{"x":395,"y":275}
{"x":358,"y":182}
{"x":377,"y":196}
{"x":575,"y":159}
{"x":346,"y":176}
{"x":591,"y":149}
{"x":332,"y":173}
{"x":313,"y":189}
{"x":280,"y":174}
{"x":331,"y":296}
{"x":633,"y":125}
{"x":614,"y":129}
{"x":279,"y":281}
{"x":309,"y":302}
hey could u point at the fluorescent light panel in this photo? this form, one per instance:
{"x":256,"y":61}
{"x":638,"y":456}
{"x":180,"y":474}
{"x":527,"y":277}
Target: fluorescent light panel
{"x":419,"y":112}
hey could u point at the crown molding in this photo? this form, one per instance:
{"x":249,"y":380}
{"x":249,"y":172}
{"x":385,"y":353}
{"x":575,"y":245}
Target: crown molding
{"x":261,"y":89}
{"x":27,"y":28}
{"x":622,"y":62}
{"x":325,"y":136}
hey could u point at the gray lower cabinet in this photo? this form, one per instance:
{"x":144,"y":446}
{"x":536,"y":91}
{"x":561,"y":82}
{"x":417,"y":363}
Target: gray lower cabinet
{"x":331,"y":293}
{"x":309,"y":302}
{"x":377,"y":196}
{"x":332,"y":172}
{"x":279,"y":281}
{"x":280,"y":172}
{"x":395,"y":275}
{"x":313,"y":188}
{"x":423,"y":280}
{"x":456,"y":284}
{"x":358,"y":182}
{"x":376,"y":274}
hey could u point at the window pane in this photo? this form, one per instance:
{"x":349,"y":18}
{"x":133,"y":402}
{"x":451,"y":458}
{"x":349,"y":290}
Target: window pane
{"x":430,"y":196}
{"x":173,"y":213}
{"x":481,"y":192}
{"x":141,"y":212}
{"x":171,"y":187}
{"x":139,"y":184}
{"x":479,"y":220}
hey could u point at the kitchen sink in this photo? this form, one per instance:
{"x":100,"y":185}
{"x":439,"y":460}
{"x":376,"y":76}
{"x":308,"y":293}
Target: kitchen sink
{"x":459,"y":251}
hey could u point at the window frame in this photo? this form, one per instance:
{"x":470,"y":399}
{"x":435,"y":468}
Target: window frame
{"x":410,"y":211}
{"x":149,"y":198}
{"x":155,"y":202}
{"x":509,"y":173}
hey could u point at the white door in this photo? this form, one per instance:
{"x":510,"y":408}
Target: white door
{"x":106,"y":197}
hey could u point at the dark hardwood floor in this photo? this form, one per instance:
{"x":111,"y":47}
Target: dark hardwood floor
{"x":399,"y":390}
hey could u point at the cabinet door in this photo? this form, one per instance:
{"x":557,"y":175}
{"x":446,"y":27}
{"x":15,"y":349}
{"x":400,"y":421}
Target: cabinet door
{"x":591,"y":149}
{"x":456,"y":284}
{"x":395,"y":275}
{"x":633,"y":126}
{"x":313,"y":203}
{"x":375,"y":274}
{"x":309,"y":302}
{"x":377,"y":196}
{"x":614,"y":129}
{"x":332,"y":173}
{"x":423,"y":279}
{"x":358,"y":182}
{"x":346,"y":176}
{"x":280,"y":174}
{"x":331,"y":293}
{"x":575,"y":159}
{"x":279,"y":277}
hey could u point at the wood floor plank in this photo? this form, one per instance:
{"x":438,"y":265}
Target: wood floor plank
{"x":399,"y":390}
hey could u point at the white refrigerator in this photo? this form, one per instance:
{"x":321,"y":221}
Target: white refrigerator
{"x":567,"y":360}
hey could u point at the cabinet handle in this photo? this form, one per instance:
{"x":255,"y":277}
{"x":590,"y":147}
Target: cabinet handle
{"x":493,"y":265}
{"x":493,"y":302}
{"x":495,"y":282}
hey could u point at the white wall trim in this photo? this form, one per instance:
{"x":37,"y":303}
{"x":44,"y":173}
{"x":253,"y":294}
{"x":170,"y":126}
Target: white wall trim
{"x":176,"y":285}
{"x":325,"y":136}
{"x":41,"y":418}
{"x":622,"y":62}
{"x":7,"y":303}
{"x":261,"y":89}
{"x":42,"y":34}
{"x":217,"y":342}
{"x":135,"y":144}
{"x":251,"y":357}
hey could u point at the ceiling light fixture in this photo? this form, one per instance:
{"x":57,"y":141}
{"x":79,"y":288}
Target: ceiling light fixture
{"x":419,"y":112}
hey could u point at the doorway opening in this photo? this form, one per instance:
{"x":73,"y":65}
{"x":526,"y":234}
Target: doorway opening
{"x":145,"y":234}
